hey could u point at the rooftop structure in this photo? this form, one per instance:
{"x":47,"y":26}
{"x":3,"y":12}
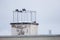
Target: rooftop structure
{"x":24,"y":22}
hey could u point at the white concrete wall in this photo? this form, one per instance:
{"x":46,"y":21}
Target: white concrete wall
{"x":29,"y":30}
{"x":13,"y":31}
{"x":33,"y":29}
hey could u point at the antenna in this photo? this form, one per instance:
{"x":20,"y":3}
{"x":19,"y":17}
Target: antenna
{"x":24,"y":15}
{"x":17,"y":14}
{"x":13,"y":16}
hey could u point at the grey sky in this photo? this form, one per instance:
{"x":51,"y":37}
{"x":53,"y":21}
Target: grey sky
{"x":48,"y":14}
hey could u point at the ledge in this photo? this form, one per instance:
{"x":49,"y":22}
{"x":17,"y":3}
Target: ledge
{"x":31,"y":36}
{"x":24,"y":23}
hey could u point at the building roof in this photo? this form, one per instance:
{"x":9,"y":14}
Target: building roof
{"x":30,"y":36}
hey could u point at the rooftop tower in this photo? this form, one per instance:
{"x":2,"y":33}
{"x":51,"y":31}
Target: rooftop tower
{"x":24,"y":22}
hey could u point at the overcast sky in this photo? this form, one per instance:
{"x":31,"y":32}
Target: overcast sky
{"x":48,"y":14}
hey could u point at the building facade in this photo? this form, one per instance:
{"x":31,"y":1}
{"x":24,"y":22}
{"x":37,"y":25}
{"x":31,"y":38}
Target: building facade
{"x":24,"y":28}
